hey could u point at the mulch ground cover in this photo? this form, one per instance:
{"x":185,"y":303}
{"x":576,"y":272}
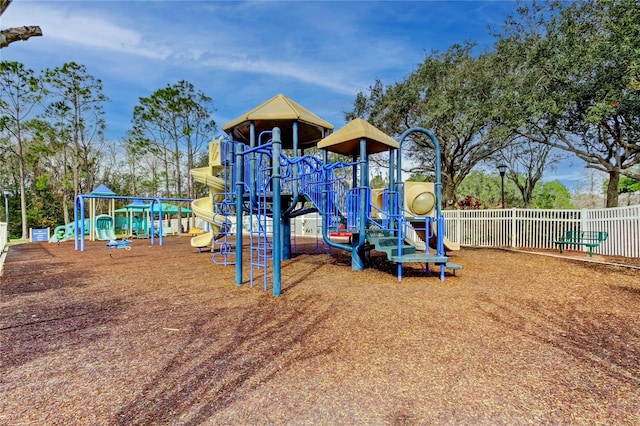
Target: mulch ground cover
{"x":161,"y":335}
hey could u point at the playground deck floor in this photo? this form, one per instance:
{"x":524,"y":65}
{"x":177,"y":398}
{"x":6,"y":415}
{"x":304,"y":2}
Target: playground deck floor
{"x":160,"y":335}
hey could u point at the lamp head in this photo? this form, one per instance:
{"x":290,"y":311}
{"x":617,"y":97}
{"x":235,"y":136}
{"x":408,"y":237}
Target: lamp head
{"x":502,"y":168}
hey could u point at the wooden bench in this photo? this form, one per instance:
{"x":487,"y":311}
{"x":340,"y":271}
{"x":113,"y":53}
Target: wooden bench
{"x":589,"y":239}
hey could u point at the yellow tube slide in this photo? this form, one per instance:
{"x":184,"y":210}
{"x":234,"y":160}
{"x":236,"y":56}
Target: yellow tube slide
{"x":203,"y":207}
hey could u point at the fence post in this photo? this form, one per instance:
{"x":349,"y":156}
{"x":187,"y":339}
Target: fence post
{"x":584,"y":224}
{"x":514,"y":229}
{"x":458,"y":226}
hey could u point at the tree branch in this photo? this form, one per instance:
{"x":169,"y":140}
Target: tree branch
{"x":10,"y":35}
{"x":3,"y":5}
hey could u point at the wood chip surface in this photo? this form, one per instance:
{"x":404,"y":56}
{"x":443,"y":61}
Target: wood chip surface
{"x":161,"y":335}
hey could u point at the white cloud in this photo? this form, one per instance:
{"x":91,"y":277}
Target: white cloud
{"x":342,"y":47}
{"x":307,"y":74}
{"x":67,"y":25}
{"x":77,"y":24}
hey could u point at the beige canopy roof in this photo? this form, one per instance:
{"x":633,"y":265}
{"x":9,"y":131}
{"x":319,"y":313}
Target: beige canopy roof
{"x":281,"y":112}
{"x":347,"y":140}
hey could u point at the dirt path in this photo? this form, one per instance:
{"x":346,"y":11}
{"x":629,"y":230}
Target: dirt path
{"x":160,"y":335}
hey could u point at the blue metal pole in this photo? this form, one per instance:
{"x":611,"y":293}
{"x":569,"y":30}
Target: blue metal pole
{"x":76,"y":240}
{"x":398,"y":205}
{"x":82,"y":220}
{"x":286,"y":236}
{"x":392,"y":183}
{"x":78,"y":218}
{"x":357,"y":255}
{"x":152,"y":231}
{"x":152,"y":210}
{"x":239,"y":191}
{"x":277,"y":211}
{"x":253,"y":184}
{"x":286,"y":219}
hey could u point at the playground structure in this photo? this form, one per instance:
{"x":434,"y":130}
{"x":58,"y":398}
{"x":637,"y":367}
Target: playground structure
{"x":259,"y":179}
{"x":139,"y":220}
{"x":102,"y":227}
{"x":66,"y":232}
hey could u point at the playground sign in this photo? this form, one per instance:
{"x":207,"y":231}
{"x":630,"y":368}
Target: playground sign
{"x":40,"y":235}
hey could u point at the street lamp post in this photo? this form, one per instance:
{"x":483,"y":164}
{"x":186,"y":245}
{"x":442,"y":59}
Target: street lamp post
{"x":502,"y":168}
{"x":6,"y":194}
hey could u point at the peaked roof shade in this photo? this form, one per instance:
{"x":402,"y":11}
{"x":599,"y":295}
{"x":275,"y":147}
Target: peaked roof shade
{"x":103,"y":190}
{"x":346,"y":141}
{"x":281,"y":112}
{"x":167,"y":208}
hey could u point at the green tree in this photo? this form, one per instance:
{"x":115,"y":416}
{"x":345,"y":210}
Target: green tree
{"x":379,"y":182}
{"x":174,"y":125}
{"x":20,"y":94}
{"x":418,"y":177}
{"x":486,"y":188}
{"x":526,"y":162}
{"x":44,"y":208}
{"x":450,"y":93}
{"x":76,"y":116}
{"x":570,"y":79}
{"x":552,"y":195}
{"x":628,"y":185}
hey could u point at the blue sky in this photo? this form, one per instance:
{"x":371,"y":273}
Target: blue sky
{"x":319,"y":53}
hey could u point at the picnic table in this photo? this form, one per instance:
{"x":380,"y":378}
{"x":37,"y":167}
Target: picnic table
{"x":590,"y":239}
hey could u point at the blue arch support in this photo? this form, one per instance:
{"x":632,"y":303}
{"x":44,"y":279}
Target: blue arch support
{"x":438,"y":189}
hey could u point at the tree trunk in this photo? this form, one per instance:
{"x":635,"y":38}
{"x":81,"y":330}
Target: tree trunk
{"x":612,"y":188}
{"x":448,"y":196}
{"x":22,"y":173}
{"x":65,"y":209}
{"x":23,"y":198}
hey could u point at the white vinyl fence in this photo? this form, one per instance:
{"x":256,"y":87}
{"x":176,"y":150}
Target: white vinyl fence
{"x":3,"y":236}
{"x":534,"y":228}
{"x":526,"y":228}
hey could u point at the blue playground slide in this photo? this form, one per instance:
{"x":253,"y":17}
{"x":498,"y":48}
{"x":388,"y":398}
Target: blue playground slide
{"x":105,"y":228}
{"x":105,"y":234}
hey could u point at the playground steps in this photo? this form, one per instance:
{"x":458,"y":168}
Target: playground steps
{"x":453,"y":266}
{"x":386,"y":243}
{"x":419,"y":258}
